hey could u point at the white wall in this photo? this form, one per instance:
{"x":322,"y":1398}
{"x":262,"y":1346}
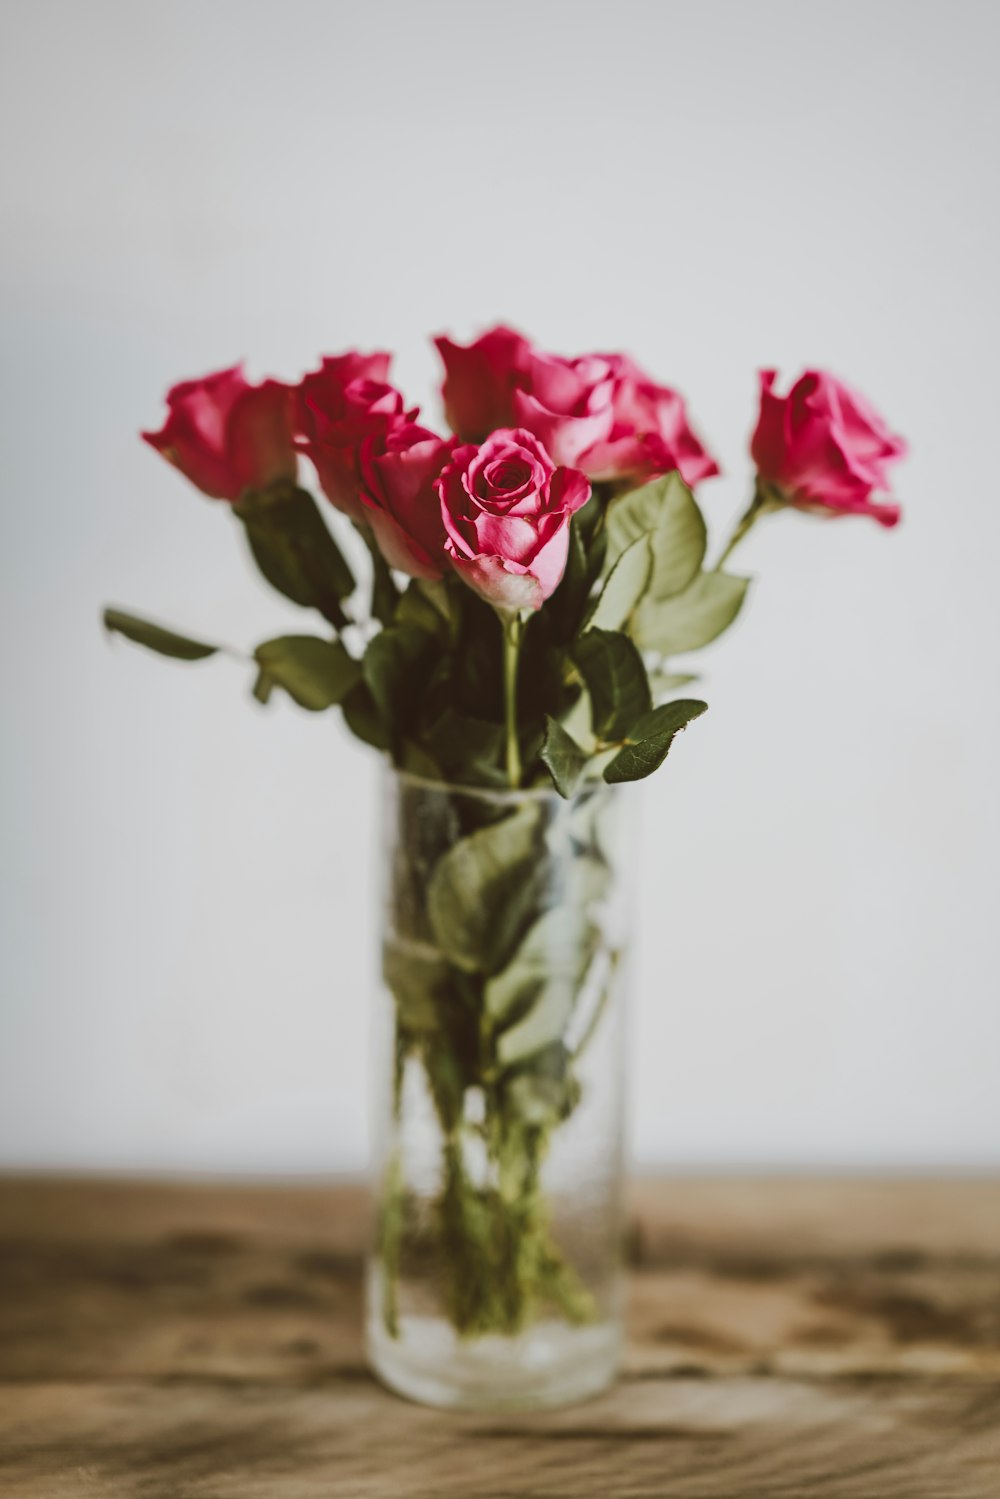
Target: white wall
{"x":187,"y":938}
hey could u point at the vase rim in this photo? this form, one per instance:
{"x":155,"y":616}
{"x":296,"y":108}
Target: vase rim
{"x":500,"y":794}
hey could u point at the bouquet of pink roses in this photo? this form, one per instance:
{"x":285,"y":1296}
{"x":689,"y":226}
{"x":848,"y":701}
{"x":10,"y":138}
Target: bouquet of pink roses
{"x":527,"y":584}
{"x":563,"y":503}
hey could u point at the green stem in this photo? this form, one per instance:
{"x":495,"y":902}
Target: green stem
{"x":761,"y":503}
{"x":500,"y":1262}
{"x":511,"y":650}
{"x":385,"y":594}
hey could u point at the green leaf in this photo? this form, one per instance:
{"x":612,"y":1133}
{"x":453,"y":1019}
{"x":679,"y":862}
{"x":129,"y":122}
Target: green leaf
{"x":315,"y":673}
{"x":533,"y":998}
{"x":436,"y":592}
{"x":414,"y":759}
{"x":544,"y":1090}
{"x":650,"y":739}
{"x":692,"y":619}
{"x":447,"y":1081}
{"x":669,"y":718}
{"x":626,"y":583}
{"x":593,"y":823}
{"x":363,"y":718}
{"x":663,"y":683}
{"x":544,"y":1023}
{"x":417,"y":609}
{"x":666,"y":511}
{"x":155,"y":637}
{"x":589,"y":521}
{"x":483,"y":891}
{"x":263,"y":687}
{"x":419,"y":981}
{"x":385,"y":594}
{"x":393,"y":668}
{"x":589,"y":881}
{"x":567,"y":605}
{"x":558,"y":948}
{"x":294,"y":549}
{"x":597,"y":551}
{"x":469,"y":750}
{"x":616,"y":680}
{"x":565,"y":759}
{"x":598,"y":1007}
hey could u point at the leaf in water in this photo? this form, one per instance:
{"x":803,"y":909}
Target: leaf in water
{"x":650,"y":739}
{"x":589,"y":881}
{"x":418,"y":978}
{"x":155,"y":637}
{"x":315,"y":673}
{"x":616,"y":680}
{"x":557,"y":948}
{"x":538,"y":990}
{"x":626,"y":583}
{"x":667,"y":512}
{"x":587,"y":1019}
{"x":544,"y":1091}
{"x":483,"y":891}
{"x":692,"y":619}
{"x":447,"y":1079}
{"x":563,"y":756}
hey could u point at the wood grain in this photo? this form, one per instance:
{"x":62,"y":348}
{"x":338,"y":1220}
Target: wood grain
{"x":787,"y":1338}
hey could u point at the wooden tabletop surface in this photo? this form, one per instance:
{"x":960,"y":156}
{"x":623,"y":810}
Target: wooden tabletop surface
{"x":787,"y":1338}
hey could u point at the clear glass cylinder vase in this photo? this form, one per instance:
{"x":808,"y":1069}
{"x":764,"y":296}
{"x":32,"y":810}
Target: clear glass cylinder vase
{"x":495,"y":1278}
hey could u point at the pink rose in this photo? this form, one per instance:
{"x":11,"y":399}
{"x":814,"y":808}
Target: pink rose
{"x":824,"y":447}
{"x":604,"y":415}
{"x":478,"y":387}
{"x":600,"y":413}
{"x":334,"y":416}
{"x":506,"y":509}
{"x":226,"y":435}
{"x":651,"y":433}
{"x":337,"y":370}
{"x":399,"y":474}
{"x":566,"y":403}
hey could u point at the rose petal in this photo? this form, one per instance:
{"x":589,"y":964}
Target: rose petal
{"x":500,"y":583}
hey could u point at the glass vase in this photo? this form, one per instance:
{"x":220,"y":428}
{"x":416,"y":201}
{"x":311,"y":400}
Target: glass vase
{"x":495,"y":1278}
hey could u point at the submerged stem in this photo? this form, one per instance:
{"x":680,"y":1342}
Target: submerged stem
{"x":500,"y":1260}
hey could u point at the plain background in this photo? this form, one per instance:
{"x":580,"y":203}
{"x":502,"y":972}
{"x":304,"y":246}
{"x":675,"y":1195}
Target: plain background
{"x":188,"y":903}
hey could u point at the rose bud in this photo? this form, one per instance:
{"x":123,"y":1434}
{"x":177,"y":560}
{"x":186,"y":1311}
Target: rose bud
{"x":399,"y":473}
{"x":333,"y":419}
{"x":506,"y":508}
{"x":478,"y":389}
{"x":226,"y":435}
{"x":823,"y":447}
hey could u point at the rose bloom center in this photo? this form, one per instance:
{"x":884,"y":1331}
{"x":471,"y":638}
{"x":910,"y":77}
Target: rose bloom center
{"x":508,"y":475}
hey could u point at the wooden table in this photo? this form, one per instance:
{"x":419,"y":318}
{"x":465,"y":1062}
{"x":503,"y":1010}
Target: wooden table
{"x":171,"y":1341}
